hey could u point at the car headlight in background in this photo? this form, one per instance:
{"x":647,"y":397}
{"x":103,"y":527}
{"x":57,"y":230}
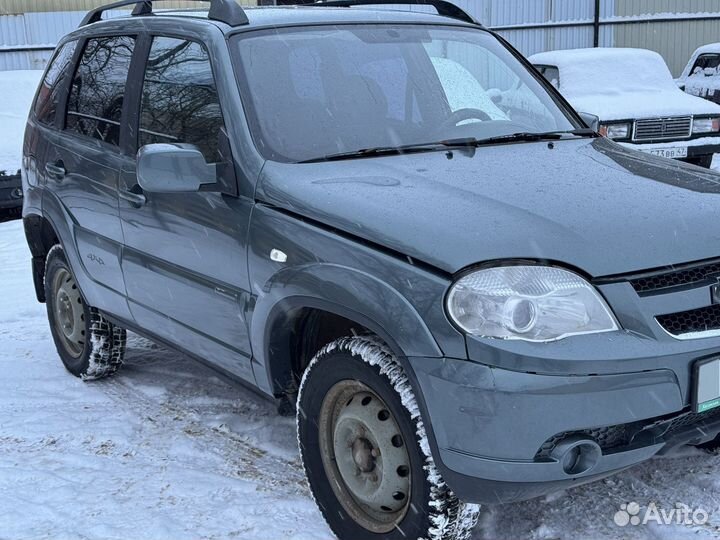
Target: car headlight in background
{"x":531,"y":303}
{"x":616,"y":131}
{"x":706,"y":125}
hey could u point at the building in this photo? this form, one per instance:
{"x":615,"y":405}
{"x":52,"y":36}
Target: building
{"x":674,"y":28}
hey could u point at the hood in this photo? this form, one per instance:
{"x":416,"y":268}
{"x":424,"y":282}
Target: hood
{"x":587,"y":203}
{"x":638,"y":104}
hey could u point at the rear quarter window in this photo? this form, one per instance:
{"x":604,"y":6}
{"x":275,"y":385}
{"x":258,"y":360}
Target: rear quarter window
{"x":46,"y":105}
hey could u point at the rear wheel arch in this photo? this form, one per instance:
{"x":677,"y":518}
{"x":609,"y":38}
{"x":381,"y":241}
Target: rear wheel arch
{"x":41,"y":236}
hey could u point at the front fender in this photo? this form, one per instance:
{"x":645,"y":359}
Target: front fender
{"x":347,"y":292}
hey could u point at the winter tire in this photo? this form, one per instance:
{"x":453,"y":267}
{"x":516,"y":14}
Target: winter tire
{"x":365,"y":450}
{"x":89,"y":346}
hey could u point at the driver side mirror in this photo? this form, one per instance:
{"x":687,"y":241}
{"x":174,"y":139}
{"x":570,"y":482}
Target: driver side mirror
{"x":592,"y":121}
{"x":173,"y":168}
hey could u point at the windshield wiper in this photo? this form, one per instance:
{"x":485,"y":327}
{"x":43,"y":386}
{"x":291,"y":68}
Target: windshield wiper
{"x":467,"y":142}
{"x":529,"y":136}
{"x":393,"y":150}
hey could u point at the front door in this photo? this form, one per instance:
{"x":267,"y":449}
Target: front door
{"x":184,"y":258}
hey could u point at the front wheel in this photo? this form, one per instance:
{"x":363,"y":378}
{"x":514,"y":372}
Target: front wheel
{"x":365,"y":449}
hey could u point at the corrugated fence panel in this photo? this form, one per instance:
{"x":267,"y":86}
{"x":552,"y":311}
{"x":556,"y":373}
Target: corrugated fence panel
{"x":645,"y":7}
{"x":675,"y":41}
{"x":12,"y":30}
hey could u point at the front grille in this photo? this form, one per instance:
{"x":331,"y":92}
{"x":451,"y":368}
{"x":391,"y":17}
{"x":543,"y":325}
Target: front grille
{"x":704,"y":319}
{"x":703,"y":274}
{"x":657,"y":129}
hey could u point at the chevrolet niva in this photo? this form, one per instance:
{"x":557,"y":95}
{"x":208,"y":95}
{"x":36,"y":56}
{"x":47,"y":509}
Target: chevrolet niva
{"x":392,"y":224}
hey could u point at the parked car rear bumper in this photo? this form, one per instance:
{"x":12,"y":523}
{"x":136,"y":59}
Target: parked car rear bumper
{"x":503,"y":436}
{"x":11,"y":195}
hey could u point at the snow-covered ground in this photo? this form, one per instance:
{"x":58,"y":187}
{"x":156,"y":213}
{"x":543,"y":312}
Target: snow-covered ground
{"x":167,"y":450}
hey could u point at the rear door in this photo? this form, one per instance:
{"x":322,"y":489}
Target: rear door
{"x":82,"y":165}
{"x":184,"y":259}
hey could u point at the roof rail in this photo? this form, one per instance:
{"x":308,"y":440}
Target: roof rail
{"x":443,"y":7}
{"x":228,"y":11}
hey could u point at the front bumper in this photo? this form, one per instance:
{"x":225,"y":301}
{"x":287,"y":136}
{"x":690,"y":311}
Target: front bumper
{"x":696,"y":148}
{"x":501,"y":436}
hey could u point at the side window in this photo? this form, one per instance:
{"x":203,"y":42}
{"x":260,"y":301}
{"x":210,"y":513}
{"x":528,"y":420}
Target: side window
{"x":47,"y":101}
{"x":98,"y":88}
{"x":706,"y":64}
{"x":180,"y":103}
{"x":551,"y":74}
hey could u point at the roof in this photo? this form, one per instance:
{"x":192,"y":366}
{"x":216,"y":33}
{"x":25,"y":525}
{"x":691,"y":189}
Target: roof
{"x":269,"y":16}
{"x":601,"y":54}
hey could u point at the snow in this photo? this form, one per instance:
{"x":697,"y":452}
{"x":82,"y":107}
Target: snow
{"x":621,"y":84}
{"x":17,"y":90}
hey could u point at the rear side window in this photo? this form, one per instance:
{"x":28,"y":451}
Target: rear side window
{"x":48,"y":97}
{"x":709,"y":62}
{"x":98,"y":88}
{"x":180,"y":101}
{"x":551,"y":74}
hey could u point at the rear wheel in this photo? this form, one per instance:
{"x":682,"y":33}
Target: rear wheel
{"x":365,"y":450}
{"x":89,"y":346}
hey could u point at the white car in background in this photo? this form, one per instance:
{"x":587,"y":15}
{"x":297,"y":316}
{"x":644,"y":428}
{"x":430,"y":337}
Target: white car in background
{"x":701,"y":76}
{"x":637,"y":100}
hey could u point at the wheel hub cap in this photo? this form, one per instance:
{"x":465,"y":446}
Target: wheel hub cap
{"x":365,"y":456}
{"x":69,"y":313}
{"x":362,"y":451}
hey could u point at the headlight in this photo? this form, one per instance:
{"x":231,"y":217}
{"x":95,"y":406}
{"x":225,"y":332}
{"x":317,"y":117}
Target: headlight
{"x":706,"y":125}
{"x":532,"y":303}
{"x":615,"y":131}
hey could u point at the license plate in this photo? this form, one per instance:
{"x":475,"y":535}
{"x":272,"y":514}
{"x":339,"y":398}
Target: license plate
{"x":707,"y":385}
{"x":670,"y":152}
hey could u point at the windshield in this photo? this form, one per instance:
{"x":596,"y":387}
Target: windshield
{"x":318,"y":91}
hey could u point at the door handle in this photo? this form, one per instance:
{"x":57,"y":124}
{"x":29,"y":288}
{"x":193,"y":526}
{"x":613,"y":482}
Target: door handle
{"x":56,"y":170}
{"x":135,"y":199}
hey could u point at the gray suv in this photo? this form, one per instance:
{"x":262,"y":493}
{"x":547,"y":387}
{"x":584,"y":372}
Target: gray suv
{"x":389,"y":222}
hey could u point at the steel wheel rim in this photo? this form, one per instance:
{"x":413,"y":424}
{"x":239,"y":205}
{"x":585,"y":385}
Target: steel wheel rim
{"x":69,"y":313}
{"x":365,"y":456}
